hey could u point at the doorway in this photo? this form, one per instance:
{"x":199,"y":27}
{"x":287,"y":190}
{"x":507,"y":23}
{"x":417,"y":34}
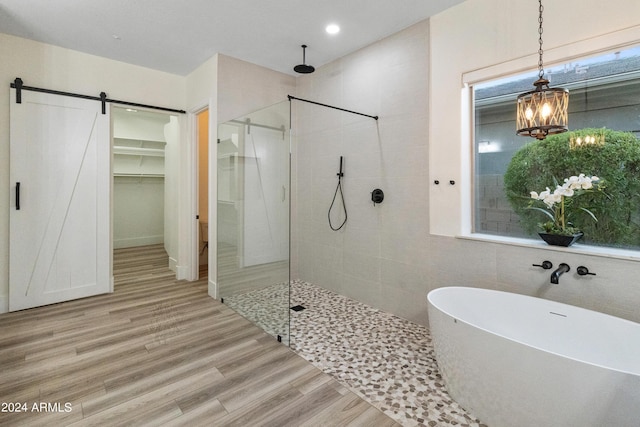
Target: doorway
{"x":202,"y":124}
{"x":145,"y":166}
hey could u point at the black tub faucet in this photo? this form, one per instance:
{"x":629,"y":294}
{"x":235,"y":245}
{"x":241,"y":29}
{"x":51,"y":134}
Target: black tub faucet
{"x":562,"y":268}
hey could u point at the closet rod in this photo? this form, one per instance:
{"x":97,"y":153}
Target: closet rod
{"x":19,"y":86}
{"x":331,"y":106}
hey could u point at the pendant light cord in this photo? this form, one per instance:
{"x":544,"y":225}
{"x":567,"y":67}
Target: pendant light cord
{"x":344,"y":207}
{"x":540,"y":51}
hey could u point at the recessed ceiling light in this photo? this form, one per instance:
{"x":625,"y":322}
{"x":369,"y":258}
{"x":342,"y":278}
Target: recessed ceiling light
{"x":332,"y":29}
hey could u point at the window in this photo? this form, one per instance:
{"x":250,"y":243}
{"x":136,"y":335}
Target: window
{"x":604,"y":92}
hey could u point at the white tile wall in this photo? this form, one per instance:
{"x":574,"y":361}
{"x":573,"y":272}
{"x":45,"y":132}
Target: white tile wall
{"x":379,"y":256}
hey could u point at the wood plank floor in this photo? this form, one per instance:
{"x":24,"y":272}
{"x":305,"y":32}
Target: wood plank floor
{"x":159,"y":352}
{"x":233,"y":279}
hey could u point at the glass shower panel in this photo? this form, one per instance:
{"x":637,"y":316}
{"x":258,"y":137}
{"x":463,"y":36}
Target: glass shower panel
{"x":253,"y":217}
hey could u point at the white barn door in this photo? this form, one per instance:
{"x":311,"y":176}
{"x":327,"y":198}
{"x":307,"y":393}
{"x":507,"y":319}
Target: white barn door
{"x":60,"y":222}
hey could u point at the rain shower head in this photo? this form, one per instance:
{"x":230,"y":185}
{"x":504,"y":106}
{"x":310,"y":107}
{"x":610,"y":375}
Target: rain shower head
{"x":304,"y":68}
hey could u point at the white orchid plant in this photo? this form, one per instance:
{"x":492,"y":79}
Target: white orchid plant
{"x":559,"y":205}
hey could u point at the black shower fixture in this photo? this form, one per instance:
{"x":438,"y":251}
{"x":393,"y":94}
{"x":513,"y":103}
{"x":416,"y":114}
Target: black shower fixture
{"x":344,"y":207}
{"x":377,"y":196}
{"x":304,"y":68}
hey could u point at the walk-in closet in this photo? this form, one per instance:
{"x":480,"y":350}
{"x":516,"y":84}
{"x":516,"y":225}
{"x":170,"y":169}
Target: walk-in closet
{"x":139,"y":143}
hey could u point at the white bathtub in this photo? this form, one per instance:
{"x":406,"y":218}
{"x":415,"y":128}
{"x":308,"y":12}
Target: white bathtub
{"x":513,"y":360}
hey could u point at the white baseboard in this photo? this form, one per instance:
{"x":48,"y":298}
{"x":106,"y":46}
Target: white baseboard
{"x":131,"y":242}
{"x":4,"y":303}
{"x":213,"y":289}
{"x":173,"y":264}
{"x":182,"y":272}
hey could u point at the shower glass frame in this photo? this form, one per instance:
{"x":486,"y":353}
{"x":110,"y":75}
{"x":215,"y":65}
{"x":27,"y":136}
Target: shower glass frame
{"x":253,"y":217}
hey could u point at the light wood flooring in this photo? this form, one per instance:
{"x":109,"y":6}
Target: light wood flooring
{"x":233,"y":279}
{"x":160,"y":352}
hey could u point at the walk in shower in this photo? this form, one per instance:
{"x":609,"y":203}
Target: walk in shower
{"x":253,"y":174}
{"x":253,"y":209}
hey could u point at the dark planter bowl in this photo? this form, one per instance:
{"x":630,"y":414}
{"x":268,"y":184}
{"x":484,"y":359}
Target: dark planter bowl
{"x":560,"y":240}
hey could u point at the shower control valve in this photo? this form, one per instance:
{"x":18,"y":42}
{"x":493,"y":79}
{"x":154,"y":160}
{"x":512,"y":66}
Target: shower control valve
{"x":584,"y":271}
{"x":547,"y":265}
{"x":377,"y":196}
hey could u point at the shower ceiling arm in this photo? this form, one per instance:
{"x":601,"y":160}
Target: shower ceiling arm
{"x":331,"y":106}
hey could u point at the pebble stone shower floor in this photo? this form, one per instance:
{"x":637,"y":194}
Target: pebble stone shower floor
{"x":386,"y":360}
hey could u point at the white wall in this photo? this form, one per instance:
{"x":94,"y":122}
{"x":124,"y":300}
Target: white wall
{"x":51,"y":67}
{"x":244,"y":87}
{"x":138,"y":211}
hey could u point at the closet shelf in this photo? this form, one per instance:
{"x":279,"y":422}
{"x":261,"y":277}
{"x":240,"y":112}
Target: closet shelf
{"x":138,"y":151}
{"x":140,"y":175}
{"x":154,"y":141}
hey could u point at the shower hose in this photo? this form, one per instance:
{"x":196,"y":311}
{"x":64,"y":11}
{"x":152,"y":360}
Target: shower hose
{"x":344,"y":207}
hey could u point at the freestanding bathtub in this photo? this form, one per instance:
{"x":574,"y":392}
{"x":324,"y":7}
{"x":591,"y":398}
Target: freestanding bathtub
{"x":514,"y":360}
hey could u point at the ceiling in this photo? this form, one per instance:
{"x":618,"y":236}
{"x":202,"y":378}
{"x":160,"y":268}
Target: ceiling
{"x":177,"y":36}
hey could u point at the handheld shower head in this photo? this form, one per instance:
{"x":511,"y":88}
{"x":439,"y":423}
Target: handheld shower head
{"x":344,"y":207}
{"x":304,"y":68}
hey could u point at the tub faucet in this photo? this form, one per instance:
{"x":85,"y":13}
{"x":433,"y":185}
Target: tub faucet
{"x":562,"y":268}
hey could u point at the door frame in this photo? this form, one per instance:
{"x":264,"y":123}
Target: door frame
{"x":192,"y":242}
{"x":187,"y":262}
{"x":184,"y":262}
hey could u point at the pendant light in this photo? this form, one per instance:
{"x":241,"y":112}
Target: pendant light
{"x":542,"y":111}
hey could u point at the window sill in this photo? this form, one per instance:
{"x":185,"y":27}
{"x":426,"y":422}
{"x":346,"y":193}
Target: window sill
{"x":624,"y":254}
